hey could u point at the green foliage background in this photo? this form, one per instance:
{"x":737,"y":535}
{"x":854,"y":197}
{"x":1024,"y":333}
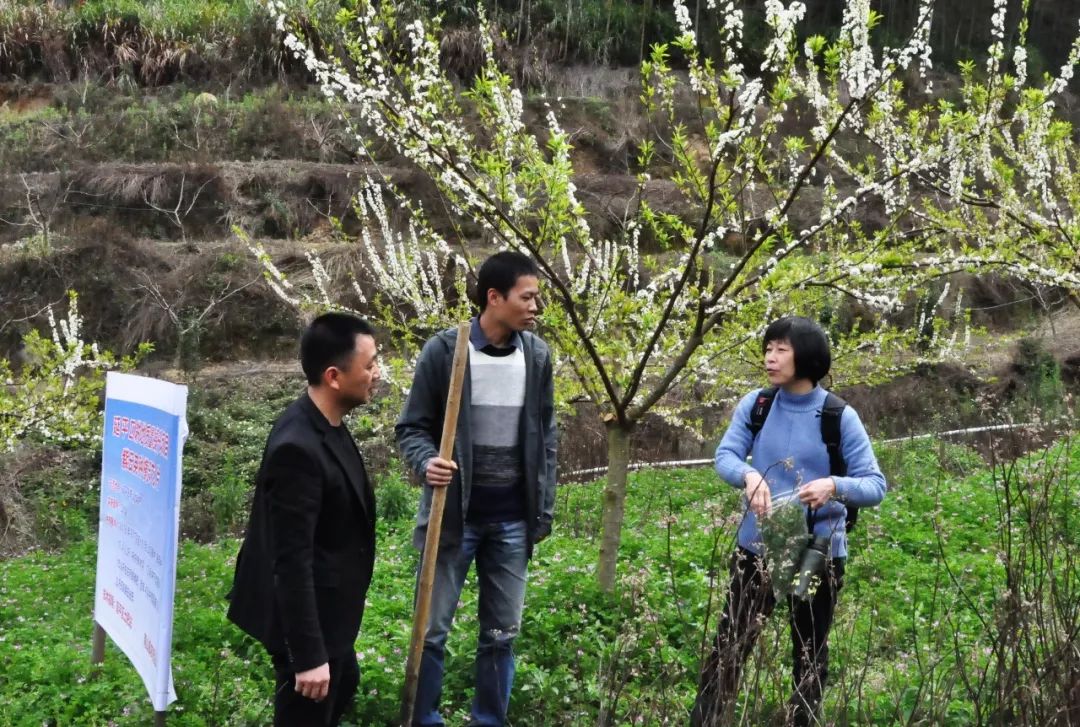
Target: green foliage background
{"x":633,"y":655}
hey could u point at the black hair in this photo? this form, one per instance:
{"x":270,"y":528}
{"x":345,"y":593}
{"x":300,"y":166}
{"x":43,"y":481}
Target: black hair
{"x":330,"y":340}
{"x":808,"y":342}
{"x":501,"y":272}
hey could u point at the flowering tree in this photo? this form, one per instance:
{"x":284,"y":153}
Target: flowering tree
{"x":55,"y":394}
{"x":1015,"y":192}
{"x":774,"y":167}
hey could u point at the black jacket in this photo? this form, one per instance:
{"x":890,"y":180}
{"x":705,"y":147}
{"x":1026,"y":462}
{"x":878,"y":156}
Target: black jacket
{"x":305,"y":566}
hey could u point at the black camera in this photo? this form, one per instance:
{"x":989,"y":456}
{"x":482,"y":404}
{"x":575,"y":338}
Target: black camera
{"x":812,"y":567}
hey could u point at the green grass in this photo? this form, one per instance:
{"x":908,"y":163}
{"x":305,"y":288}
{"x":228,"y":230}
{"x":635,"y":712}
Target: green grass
{"x":902,"y":624}
{"x":182,"y":18}
{"x":92,"y":124}
{"x":130,"y":42}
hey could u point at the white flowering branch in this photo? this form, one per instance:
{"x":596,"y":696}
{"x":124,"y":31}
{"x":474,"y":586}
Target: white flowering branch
{"x":54,"y":394}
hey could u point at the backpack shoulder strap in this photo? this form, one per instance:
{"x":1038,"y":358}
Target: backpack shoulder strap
{"x":760,"y":410}
{"x":831,"y":413}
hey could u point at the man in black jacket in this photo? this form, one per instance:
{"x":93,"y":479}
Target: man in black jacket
{"x":305,"y":566}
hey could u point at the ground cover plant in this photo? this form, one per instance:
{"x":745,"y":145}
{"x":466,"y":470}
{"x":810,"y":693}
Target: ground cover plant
{"x":929,"y":630}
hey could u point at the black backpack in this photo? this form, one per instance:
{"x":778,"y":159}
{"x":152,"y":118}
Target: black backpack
{"x":830,"y":435}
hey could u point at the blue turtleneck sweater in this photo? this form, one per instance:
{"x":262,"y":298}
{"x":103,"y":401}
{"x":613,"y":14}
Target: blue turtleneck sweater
{"x":792,"y":432}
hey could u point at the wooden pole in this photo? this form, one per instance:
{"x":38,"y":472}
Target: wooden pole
{"x":434,"y":528}
{"x":97,"y":650}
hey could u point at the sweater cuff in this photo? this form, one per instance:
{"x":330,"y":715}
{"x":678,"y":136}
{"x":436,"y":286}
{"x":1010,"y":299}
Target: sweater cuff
{"x":841,"y":488}
{"x":742,"y":476}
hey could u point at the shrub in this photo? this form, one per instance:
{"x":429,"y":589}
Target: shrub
{"x":397,"y":499}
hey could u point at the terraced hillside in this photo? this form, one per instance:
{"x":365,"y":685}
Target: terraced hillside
{"x":143,"y":146}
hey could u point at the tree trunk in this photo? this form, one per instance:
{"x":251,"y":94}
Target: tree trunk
{"x":607,"y":25}
{"x":646,"y":13}
{"x":569,"y":21}
{"x":614,"y":502}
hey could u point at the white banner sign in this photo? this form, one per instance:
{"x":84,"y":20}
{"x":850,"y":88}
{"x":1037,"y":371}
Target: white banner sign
{"x":145,"y":429}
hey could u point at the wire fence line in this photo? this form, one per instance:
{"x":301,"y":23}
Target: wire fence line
{"x":578,"y":475}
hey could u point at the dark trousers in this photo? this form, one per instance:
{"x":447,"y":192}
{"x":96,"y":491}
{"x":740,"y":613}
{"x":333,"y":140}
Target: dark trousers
{"x":293,"y":710}
{"x":750,"y":601}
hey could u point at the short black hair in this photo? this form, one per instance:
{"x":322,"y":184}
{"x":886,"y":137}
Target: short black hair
{"x":808,"y":342}
{"x":330,"y":341}
{"x":501,"y":272}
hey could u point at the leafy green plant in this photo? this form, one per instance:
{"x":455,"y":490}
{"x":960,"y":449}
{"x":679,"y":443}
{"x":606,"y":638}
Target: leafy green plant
{"x":397,"y":499}
{"x":230,"y":496}
{"x":1040,"y":387}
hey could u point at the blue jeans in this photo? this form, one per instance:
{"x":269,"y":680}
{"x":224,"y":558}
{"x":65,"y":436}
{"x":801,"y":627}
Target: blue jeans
{"x":501,"y":554}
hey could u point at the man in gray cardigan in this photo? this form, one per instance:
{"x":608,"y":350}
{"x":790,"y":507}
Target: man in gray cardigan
{"x":502,"y":477}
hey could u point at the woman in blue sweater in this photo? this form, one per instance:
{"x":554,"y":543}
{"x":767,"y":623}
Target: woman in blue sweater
{"x":790,"y":460}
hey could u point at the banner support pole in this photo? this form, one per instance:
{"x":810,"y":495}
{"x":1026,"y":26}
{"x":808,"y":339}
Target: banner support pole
{"x":97,"y":649}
